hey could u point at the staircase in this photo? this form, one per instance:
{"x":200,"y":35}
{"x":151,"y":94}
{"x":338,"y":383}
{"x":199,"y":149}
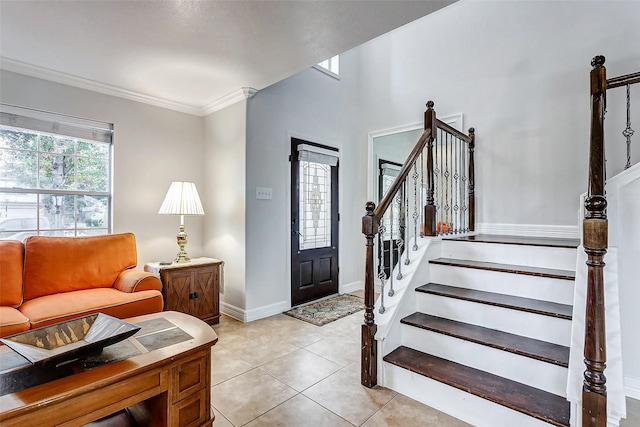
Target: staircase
{"x":488,"y":342}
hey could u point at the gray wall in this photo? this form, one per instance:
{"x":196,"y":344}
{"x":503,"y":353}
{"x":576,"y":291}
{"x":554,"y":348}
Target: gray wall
{"x":318,"y":108}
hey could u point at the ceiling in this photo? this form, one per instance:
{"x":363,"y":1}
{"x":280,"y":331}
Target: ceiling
{"x":187,"y":55}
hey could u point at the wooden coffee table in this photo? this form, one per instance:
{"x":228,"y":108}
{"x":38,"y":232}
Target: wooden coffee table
{"x":164,"y":372}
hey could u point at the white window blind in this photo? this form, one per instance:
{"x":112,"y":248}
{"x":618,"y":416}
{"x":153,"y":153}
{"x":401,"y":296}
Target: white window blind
{"x":311,"y":153}
{"x":55,"y":174}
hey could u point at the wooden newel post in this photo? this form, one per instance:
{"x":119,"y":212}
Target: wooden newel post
{"x":430,"y":207}
{"x":369,"y":360}
{"x":472,"y":180}
{"x":595,"y":236}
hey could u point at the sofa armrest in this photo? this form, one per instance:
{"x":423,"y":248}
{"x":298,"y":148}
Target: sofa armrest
{"x":137,"y":280}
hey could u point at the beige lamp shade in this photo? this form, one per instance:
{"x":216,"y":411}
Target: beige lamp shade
{"x":182,"y":199}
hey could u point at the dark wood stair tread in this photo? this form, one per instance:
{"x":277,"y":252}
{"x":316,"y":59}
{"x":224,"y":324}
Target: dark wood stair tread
{"x":528,"y":347}
{"x":551,"y":273}
{"x":528,"y":400}
{"x":529,"y":305}
{"x":551,"y":242}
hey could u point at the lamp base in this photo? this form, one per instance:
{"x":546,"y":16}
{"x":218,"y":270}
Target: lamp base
{"x":182,"y":239}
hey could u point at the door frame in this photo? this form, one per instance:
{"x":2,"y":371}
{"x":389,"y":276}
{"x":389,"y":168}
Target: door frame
{"x":315,"y":140}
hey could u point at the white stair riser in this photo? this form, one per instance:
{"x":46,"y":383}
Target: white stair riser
{"x":457,"y":403}
{"x":545,"y":328}
{"x":536,"y":256}
{"x":542,"y":375}
{"x":541,"y":288}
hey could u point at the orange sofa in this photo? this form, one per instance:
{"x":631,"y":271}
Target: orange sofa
{"x":48,"y":280}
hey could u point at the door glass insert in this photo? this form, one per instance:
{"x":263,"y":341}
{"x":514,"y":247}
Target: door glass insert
{"x":315,"y":205}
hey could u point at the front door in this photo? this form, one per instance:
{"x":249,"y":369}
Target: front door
{"x":314,"y":221}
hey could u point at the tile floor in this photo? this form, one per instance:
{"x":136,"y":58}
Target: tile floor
{"x":281,"y":371}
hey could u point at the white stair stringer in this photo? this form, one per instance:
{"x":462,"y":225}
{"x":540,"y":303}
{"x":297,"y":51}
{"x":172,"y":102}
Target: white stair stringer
{"x":545,"y":328}
{"x":403,"y":302}
{"x":542,"y":375}
{"x":533,"y":256}
{"x":457,"y":403}
{"x":520,"y":285}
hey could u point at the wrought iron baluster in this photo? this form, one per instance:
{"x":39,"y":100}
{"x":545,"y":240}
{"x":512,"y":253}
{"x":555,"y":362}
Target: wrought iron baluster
{"x":456,"y":177}
{"x":421,"y":193}
{"x":415,"y":177}
{"x":381,"y":267}
{"x":407,"y":260}
{"x":628,"y":132}
{"x":391,"y":241}
{"x":401,"y":227}
{"x":447,"y":206}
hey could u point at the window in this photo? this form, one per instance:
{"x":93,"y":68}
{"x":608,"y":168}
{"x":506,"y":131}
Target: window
{"x":330,"y":66}
{"x":55,"y":175}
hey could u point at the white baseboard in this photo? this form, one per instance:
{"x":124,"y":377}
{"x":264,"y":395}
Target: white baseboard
{"x":254,"y":313}
{"x":533,"y":230}
{"x":232,"y":311}
{"x":352,"y":287}
{"x":632,"y":387}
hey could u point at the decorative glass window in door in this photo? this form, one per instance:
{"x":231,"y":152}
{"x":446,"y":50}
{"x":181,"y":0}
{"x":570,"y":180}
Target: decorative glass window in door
{"x":315,"y":196}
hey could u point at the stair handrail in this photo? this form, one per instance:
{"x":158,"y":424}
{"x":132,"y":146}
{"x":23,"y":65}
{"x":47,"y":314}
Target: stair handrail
{"x":595,"y":242}
{"x":371,"y":223}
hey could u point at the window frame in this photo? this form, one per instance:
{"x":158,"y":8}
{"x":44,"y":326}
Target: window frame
{"x":332,"y":68}
{"x":76,"y":129}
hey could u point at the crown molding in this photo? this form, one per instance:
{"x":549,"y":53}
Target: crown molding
{"x":82,"y":83}
{"x":227,"y":100}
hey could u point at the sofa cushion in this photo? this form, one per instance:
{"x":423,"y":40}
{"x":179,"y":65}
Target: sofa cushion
{"x":12,"y":322}
{"x":11,"y":265}
{"x":56,"y":308}
{"x":62,"y":264}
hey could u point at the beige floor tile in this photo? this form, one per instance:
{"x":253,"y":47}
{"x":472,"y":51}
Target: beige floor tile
{"x":261,"y":351}
{"x":633,"y":414}
{"x":338,"y":349}
{"x":220,"y":420}
{"x":299,"y":412}
{"x":247,"y":396}
{"x":342,"y":394}
{"x":301,"y":369}
{"x":303,"y":339}
{"x":358,"y":293}
{"x":402,"y":411}
{"x":226,"y":364}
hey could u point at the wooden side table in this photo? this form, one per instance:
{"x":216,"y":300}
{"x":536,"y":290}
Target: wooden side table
{"x":191,"y":287}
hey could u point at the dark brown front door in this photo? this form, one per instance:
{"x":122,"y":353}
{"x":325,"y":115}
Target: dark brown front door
{"x":314,"y":221}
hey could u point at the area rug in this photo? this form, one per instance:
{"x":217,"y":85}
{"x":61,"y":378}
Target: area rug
{"x":326,"y":311}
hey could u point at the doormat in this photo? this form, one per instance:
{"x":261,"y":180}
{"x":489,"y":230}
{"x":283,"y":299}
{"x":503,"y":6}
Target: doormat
{"x":326,"y":311}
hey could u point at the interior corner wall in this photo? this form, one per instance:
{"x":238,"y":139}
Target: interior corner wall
{"x":224,"y":158}
{"x":313,"y":106}
{"x":152,"y":147}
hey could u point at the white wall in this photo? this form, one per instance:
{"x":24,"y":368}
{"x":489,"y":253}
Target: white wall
{"x":225,"y":196}
{"x":519,"y":71}
{"x":152,"y":147}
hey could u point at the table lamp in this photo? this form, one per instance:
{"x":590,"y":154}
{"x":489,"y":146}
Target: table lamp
{"x":182,"y":199}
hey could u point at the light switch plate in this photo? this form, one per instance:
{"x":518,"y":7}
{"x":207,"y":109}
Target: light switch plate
{"x":263,"y":193}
